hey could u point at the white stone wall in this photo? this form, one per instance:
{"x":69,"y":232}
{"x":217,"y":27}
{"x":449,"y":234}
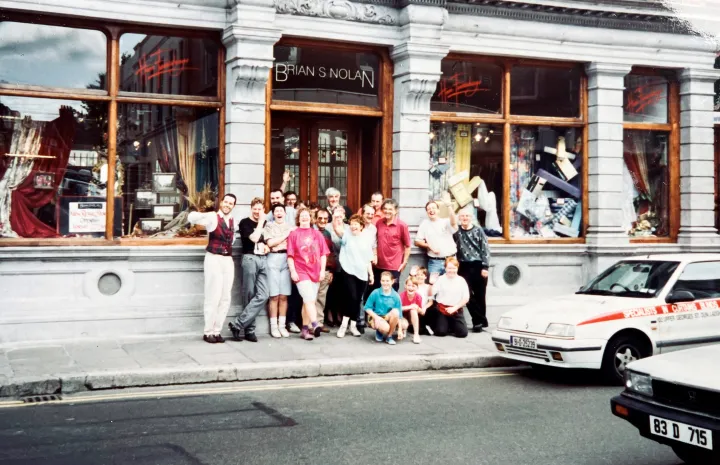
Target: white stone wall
{"x":164,"y":285}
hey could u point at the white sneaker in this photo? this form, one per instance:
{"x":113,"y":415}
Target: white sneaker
{"x":341,"y":331}
{"x":354,"y":331}
{"x":283,"y":332}
{"x":275,"y":332}
{"x":293,"y":328}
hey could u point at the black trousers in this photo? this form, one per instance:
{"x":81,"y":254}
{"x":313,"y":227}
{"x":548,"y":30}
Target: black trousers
{"x":354,"y":289}
{"x":294,"y":311}
{"x":471,"y":272}
{"x":334,"y":298}
{"x":444,"y":324}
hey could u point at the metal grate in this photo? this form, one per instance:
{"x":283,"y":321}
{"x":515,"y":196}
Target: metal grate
{"x":40,"y":399}
{"x":511,"y":275}
{"x":534,"y":353}
{"x":686,"y":397}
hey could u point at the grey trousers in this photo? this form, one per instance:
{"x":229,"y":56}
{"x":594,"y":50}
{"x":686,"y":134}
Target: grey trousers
{"x":255,"y":292}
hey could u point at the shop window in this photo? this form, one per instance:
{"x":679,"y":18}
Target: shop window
{"x":171,"y":163}
{"x":471,"y":154}
{"x":646,"y":99}
{"x":469,"y":87}
{"x":316,"y":74}
{"x":545,"y":182}
{"x":53,"y":168}
{"x":53,"y":56}
{"x":545,"y":91}
{"x":169,"y":65}
{"x":646,"y":180}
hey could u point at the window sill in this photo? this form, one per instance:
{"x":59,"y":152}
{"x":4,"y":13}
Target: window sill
{"x":101,"y":242}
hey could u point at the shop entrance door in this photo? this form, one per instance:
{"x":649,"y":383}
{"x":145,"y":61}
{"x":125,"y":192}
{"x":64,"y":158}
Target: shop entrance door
{"x":319,"y":153}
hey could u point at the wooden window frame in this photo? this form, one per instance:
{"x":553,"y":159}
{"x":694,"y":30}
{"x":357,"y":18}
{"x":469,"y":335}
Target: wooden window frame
{"x":509,"y":120}
{"x":384,"y":109}
{"x":672,"y":128}
{"x":113,"y":96}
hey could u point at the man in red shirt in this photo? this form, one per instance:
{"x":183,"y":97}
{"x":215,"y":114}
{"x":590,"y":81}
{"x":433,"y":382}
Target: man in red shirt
{"x":393,"y":244}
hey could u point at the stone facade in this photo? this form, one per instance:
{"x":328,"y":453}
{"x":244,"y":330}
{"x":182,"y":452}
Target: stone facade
{"x":164,"y":284}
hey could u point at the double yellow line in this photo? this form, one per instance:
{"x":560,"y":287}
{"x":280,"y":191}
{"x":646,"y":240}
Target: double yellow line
{"x":243,"y":387}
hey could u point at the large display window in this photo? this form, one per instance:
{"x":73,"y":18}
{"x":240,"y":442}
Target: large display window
{"x":512,"y":144}
{"x":126,"y":137}
{"x":650,"y":155}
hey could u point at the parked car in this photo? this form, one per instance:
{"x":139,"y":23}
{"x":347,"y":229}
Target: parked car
{"x":674,"y":399}
{"x":638,"y":307}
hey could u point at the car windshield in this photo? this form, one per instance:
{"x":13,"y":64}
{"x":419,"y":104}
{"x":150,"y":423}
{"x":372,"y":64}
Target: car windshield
{"x":641,"y":279}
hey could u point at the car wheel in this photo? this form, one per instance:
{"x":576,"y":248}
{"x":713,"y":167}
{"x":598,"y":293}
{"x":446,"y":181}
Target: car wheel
{"x":619,"y":352}
{"x":694,"y":456}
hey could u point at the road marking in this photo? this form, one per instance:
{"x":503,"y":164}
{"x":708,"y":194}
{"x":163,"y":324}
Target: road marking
{"x":274,"y":387}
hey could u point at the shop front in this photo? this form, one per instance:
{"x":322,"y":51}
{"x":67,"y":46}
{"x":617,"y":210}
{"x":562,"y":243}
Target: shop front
{"x":579,"y":135}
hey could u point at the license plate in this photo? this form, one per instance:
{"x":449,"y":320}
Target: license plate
{"x":523,"y":342}
{"x":688,"y":434}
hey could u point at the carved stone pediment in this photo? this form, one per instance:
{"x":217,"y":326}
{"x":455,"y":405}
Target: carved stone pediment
{"x":339,"y":9}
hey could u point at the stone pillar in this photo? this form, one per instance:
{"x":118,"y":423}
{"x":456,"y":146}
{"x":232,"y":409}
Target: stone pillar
{"x":249,"y":41}
{"x":607,"y":240}
{"x":697,"y":163}
{"x":416,"y":74}
{"x":605,"y":161}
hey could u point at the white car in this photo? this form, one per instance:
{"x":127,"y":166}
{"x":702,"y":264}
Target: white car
{"x":636,"y":308}
{"x":674,"y":399}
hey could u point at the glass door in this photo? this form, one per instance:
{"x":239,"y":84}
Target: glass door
{"x":318,"y":154}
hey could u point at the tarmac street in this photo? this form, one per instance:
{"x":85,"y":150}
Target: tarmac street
{"x":485,"y":417}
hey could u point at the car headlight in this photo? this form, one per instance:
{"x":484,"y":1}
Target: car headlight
{"x":504,"y":322}
{"x":561,"y":330}
{"x":638,"y":382}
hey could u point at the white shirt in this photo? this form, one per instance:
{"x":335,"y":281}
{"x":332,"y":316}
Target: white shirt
{"x":209,"y":219}
{"x":450,"y":292}
{"x":371,"y":231}
{"x":439,"y":236}
{"x":289,"y":216}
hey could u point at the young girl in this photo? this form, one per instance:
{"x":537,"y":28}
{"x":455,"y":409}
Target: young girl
{"x":383,"y":308}
{"x":412,"y":305}
{"x":425,"y":292}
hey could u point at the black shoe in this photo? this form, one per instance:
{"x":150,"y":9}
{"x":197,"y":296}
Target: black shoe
{"x":361,"y":329}
{"x":251,"y":337}
{"x":317,"y":331}
{"x":219,"y":338}
{"x":210,"y":339}
{"x":237,"y":335}
{"x":477,"y":328}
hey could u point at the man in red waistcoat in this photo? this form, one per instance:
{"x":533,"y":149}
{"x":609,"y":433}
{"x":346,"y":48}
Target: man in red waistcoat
{"x":219,"y":268}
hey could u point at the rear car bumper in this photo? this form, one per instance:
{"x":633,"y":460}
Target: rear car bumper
{"x":561,"y":353}
{"x":639,"y":411}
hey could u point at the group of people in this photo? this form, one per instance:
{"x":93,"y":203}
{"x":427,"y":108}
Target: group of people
{"x":316,"y":267}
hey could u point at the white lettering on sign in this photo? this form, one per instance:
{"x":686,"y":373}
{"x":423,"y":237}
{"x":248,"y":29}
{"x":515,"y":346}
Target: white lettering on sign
{"x":285,"y":71}
{"x":86,"y":217}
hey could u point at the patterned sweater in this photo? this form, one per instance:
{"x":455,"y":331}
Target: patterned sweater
{"x":472,"y":246}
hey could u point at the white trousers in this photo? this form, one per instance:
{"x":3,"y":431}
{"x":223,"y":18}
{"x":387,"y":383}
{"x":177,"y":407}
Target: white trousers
{"x":219,"y":276}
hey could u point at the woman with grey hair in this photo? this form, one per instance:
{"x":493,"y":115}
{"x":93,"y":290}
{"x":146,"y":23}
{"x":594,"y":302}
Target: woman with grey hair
{"x":333,"y":200}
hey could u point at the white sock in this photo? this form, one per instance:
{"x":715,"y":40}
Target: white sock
{"x":273,"y":323}
{"x":281,"y":321}
{"x":345,"y":322}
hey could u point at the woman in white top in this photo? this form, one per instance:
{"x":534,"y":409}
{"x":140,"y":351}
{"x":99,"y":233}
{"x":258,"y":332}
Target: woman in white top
{"x":451,"y":293}
{"x":435,"y":234}
{"x":356,"y":255}
{"x":279,"y":284}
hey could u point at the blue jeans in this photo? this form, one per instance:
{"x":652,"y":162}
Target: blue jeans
{"x":436,"y":266}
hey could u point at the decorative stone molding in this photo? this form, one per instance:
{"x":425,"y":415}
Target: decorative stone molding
{"x":656,"y":20}
{"x":339,"y":9}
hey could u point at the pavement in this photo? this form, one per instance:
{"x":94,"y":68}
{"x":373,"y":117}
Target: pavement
{"x":478,"y":417}
{"x":76,"y":366}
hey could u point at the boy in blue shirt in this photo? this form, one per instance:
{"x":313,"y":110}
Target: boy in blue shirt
{"x":383,"y":309}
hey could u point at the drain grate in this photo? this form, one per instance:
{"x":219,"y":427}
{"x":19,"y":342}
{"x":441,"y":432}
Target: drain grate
{"x":39,"y":399}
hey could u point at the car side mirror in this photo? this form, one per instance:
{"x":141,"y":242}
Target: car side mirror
{"x":679,"y":296}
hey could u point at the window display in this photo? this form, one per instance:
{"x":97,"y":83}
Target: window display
{"x":474,"y":152}
{"x":545,"y":182}
{"x":171,"y":159}
{"x":51,"y":178}
{"x":646,"y":184}
{"x":168,"y":65}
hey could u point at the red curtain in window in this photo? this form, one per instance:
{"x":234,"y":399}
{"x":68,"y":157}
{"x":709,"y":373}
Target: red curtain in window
{"x":57,"y":142}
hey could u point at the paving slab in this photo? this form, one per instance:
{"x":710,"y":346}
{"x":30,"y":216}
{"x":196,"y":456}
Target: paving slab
{"x":110,"y":364}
